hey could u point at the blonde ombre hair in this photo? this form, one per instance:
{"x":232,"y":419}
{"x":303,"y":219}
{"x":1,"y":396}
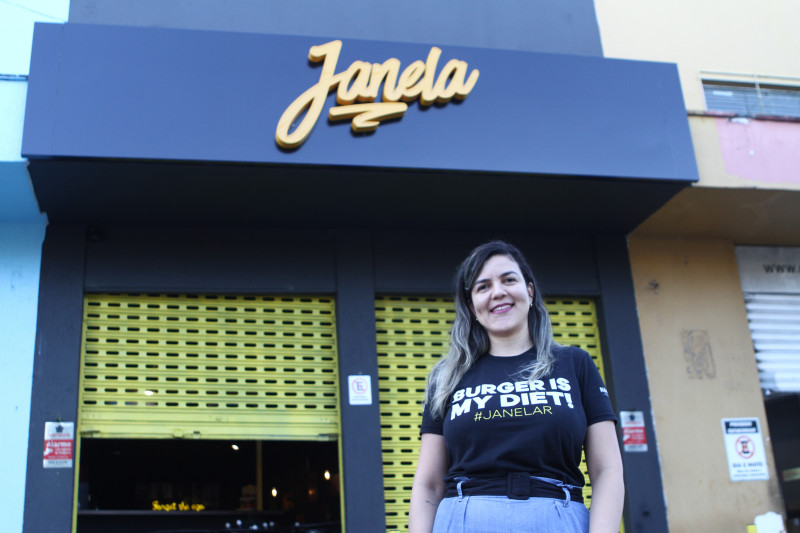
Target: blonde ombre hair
{"x":469,"y":341}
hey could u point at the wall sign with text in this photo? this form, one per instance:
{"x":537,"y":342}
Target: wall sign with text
{"x":769,"y":268}
{"x":359,"y":390}
{"x":744,"y":447}
{"x":634,"y":435}
{"x":361,"y":82}
{"x":59,"y":438}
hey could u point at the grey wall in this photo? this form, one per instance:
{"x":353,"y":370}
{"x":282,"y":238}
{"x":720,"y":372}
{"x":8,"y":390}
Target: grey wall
{"x":567,"y":26}
{"x":56,"y":373}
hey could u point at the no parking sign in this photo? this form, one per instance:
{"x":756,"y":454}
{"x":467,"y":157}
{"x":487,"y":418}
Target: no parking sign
{"x":360,"y":390}
{"x":744,"y":447}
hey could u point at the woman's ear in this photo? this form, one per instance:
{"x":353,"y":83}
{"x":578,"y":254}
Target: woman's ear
{"x":530,"y":291}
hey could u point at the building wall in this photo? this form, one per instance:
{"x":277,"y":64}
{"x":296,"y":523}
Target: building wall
{"x":738,"y":36}
{"x":20,"y":253}
{"x":692,"y":285}
{"x":16,"y":30}
{"x":22,"y":230}
{"x":538,"y":25}
{"x":743,"y":38}
{"x":682,"y":257}
{"x":21,"y":234}
{"x":740,"y":152}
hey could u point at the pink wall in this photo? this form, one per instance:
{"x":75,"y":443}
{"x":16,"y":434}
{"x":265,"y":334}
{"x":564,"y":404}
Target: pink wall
{"x":760,"y":150}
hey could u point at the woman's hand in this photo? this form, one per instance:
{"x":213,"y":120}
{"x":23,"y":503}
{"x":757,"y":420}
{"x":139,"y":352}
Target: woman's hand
{"x":605,"y":472}
{"x":428,"y":488}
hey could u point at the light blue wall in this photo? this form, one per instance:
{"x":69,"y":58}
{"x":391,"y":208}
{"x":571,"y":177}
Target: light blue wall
{"x":20,"y":255}
{"x":16,"y":29}
{"x":22,"y":230}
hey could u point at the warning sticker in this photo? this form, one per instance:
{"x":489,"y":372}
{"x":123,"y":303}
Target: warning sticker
{"x":744,"y":447}
{"x":634,"y":437}
{"x":360,"y":389}
{"x":58,"y":444}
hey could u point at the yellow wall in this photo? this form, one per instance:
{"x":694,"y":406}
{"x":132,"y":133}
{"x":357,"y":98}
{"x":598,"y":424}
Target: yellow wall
{"x":693,"y":285}
{"x":682,"y":257}
{"x":748,"y":154}
{"x":745,"y":36}
{"x":737,"y":36}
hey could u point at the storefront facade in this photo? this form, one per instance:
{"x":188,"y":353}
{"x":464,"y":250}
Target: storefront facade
{"x":245,"y":254}
{"x":702,"y":358}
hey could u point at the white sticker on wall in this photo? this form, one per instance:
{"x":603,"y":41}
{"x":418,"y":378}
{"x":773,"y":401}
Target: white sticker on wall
{"x":634,"y":437}
{"x":360,"y":390}
{"x":58,"y":444}
{"x":744,"y":446}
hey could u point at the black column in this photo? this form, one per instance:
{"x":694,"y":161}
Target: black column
{"x":622,"y":345}
{"x":360,"y":424}
{"x":56,"y":376}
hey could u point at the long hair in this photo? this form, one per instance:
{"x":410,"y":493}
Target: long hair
{"x":469,"y":340}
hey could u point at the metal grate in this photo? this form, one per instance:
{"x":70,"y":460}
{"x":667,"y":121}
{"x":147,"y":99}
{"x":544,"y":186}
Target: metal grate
{"x":751,"y":99}
{"x":775,"y":329}
{"x":575,"y":324}
{"x":209,"y":366}
{"x":413,"y":333}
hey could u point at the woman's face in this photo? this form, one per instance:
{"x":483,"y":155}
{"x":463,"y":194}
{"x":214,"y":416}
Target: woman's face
{"x":501,"y":299}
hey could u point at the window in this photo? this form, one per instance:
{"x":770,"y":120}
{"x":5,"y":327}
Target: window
{"x":752,"y":98}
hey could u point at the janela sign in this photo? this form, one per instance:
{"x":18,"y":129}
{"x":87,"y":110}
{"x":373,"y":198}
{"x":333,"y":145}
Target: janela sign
{"x":361,"y":82}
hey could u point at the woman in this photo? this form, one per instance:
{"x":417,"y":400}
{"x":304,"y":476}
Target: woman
{"x":506,"y":414}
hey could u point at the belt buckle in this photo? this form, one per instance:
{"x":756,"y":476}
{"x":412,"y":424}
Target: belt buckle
{"x":519,"y":485}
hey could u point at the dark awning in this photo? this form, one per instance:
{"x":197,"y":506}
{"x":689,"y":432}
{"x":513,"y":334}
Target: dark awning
{"x":146,"y":125}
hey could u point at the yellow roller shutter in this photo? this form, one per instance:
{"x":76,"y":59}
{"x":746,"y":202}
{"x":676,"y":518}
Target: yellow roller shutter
{"x":413,"y":333}
{"x":575,"y":324}
{"x":209,"y":366}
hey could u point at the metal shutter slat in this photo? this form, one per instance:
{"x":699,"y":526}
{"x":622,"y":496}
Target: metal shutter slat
{"x":209,"y":366}
{"x":774,"y":321}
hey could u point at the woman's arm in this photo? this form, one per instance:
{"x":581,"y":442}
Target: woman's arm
{"x":428,"y":488}
{"x":605,"y":472}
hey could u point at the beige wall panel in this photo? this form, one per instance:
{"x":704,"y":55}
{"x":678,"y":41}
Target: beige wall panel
{"x":744,"y":216}
{"x":742,"y":36}
{"x":746,"y":153}
{"x":701,"y":369}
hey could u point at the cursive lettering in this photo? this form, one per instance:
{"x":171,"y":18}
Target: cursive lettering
{"x":361,"y":82}
{"x":177,"y":506}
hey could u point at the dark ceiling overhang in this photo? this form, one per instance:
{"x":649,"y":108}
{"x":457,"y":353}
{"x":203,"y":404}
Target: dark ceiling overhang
{"x":190,"y":194}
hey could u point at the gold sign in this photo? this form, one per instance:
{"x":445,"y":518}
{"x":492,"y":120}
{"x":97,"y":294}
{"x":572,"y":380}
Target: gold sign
{"x":362,"y":82}
{"x":177,"y":506}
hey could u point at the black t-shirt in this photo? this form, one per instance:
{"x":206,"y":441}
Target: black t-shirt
{"x":497,"y":422}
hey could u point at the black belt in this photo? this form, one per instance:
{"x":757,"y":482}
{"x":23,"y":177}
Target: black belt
{"x":516,"y":485}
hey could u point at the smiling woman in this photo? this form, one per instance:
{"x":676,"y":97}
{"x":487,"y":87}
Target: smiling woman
{"x":485,"y":451}
{"x":500,"y":301}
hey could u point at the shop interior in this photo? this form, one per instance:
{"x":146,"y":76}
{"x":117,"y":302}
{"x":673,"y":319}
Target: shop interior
{"x":783,"y":412}
{"x":160,"y":485}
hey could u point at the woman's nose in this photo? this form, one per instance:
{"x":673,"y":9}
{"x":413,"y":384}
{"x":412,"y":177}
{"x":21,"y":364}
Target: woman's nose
{"x":498,"y":291}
